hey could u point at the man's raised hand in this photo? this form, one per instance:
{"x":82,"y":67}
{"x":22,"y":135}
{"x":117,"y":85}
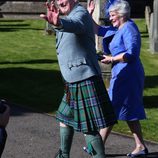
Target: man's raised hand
{"x":52,"y":14}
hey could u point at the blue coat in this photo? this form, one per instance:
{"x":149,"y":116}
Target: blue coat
{"x":76,"y":46}
{"x":127,"y":81}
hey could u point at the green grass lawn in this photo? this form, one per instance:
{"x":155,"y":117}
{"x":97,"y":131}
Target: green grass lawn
{"x":28,"y":66}
{"x":30,"y":74}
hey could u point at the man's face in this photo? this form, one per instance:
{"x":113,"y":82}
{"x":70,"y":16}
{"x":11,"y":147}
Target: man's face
{"x":65,"y":6}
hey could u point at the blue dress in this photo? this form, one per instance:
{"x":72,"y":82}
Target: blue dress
{"x":127,"y":81}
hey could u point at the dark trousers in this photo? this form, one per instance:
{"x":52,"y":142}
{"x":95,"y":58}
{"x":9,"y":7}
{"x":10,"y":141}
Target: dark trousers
{"x":3,"y":137}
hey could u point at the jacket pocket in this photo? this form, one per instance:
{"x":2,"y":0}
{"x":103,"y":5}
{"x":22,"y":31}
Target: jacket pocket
{"x":76,"y":63}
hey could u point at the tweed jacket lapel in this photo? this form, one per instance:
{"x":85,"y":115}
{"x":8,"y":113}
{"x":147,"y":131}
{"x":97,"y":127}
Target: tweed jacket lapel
{"x":59,"y":33}
{"x":58,"y":38}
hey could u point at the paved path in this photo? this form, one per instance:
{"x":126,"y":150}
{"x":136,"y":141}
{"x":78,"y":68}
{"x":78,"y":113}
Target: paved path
{"x":36,"y":135}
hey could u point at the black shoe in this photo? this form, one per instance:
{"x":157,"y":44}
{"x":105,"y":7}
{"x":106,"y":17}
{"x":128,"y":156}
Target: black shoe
{"x":141,"y":153}
{"x":58,"y":154}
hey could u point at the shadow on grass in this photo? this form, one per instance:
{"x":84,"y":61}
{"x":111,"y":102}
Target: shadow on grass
{"x":12,"y":29}
{"x":9,"y":26}
{"x":13,"y":25}
{"x":10,"y":20}
{"x":151,"y":101}
{"x":151,"y":81}
{"x":144,"y":34}
{"x":33,"y":88}
{"x":37,"y":61}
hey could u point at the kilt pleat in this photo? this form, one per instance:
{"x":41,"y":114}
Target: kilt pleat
{"x":88,"y":107}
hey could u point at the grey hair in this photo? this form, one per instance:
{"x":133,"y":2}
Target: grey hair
{"x":122,"y":7}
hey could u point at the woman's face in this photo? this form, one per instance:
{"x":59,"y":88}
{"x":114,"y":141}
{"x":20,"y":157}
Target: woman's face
{"x":115,"y":19}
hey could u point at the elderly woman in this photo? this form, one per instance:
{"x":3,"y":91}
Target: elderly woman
{"x":122,"y":40}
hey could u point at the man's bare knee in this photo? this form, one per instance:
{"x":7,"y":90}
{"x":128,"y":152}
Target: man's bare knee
{"x":62,"y":124}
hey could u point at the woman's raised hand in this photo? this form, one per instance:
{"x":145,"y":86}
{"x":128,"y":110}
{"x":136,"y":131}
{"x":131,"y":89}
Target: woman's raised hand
{"x":91,"y":6}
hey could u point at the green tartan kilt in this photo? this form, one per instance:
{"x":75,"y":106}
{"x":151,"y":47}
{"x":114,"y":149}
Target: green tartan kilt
{"x":86,"y":106}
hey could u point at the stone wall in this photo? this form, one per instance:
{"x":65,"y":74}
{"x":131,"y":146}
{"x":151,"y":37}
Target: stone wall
{"x":32,"y":8}
{"x":23,"y":8}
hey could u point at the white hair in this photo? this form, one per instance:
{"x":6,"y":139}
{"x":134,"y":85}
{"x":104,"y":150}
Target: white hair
{"x":122,"y":7}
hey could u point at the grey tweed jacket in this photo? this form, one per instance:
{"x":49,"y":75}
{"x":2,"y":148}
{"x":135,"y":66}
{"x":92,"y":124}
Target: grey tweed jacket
{"x":76,"y":46}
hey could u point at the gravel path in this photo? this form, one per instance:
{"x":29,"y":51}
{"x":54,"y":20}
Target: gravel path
{"x":36,"y":135}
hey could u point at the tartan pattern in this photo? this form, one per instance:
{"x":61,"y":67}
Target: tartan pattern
{"x":89,"y":107}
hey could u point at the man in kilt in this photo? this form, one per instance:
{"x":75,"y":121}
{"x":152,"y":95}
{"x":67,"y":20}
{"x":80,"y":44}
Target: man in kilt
{"x":85,"y":106}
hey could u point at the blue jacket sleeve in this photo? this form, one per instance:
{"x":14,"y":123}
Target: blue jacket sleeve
{"x":132,"y":42}
{"x":107,"y":32}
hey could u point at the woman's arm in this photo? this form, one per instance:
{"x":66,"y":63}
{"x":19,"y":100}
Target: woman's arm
{"x":111,"y":59}
{"x":90,"y":8}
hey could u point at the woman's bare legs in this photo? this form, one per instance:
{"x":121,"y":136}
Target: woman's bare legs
{"x":104,"y":132}
{"x":135,"y":128}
